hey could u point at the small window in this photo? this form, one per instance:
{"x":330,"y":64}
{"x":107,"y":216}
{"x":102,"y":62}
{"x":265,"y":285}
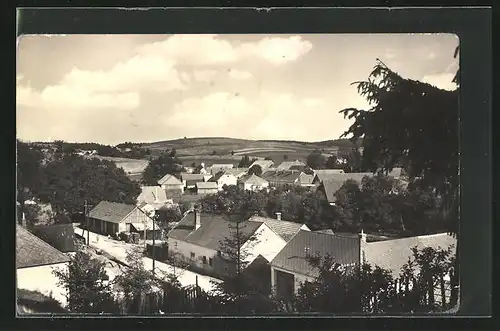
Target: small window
{"x":192,"y":255}
{"x":210,"y":261}
{"x":219,"y":253}
{"x":204,"y":259}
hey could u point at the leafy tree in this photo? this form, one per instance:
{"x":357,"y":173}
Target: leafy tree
{"x":135,"y":281}
{"x":255,"y":170}
{"x":87,"y":285}
{"x":173,"y":152}
{"x":245,"y":162}
{"x":29,"y":168}
{"x":332,"y":163}
{"x":168,"y":216}
{"x":70,"y":180}
{"x":423,"y":134}
{"x":316,"y":160}
{"x":157,"y":168}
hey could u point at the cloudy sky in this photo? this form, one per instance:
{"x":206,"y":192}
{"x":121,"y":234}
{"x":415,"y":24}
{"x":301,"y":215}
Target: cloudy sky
{"x":115,"y":88}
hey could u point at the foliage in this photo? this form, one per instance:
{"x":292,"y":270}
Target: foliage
{"x":29,"y":168}
{"x":341,"y":289}
{"x":72,"y":179}
{"x":165,"y":217}
{"x":159,"y":167}
{"x":87,"y":285}
{"x":246,"y":162}
{"x":332,"y":163}
{"x":316,"y":160}
{"x":255,"y":170}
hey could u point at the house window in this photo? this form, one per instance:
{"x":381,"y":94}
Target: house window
{"x":210,"y":261}
{"x":204,"y":259}
{"x":219,"y":253}
{"x":192,"y":256}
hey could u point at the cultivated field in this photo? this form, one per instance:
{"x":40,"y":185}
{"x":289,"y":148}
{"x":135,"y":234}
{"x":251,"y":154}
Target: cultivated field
{"x":228,"y":150}
{"x":130,"y":166}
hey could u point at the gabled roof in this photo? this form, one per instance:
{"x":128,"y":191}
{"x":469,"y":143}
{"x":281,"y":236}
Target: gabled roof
{"x":32,"y":251}
{"x":59,"y":236}
{"x":215,"y":168}
{"x":253,"y":180}
{"x":284,"y":229}
{"x":293,"y":257}
{"x":111,"y":211}
{"x":325,"y":174}
{"x":219,"y":175}
{"x":286,"y":165}
{"x":169,"y":179}
{"x":394,"y":253}
{"x":237,"y":172}
{"x":213,"y":230}
{"x":300,"y":167}
{"x":282,"y":176}
{"x":197,"y":177}
{"x":152,"y":194}
{"x":264,"y":164}
{"x":305,"y":179}
{"x":335,"y":182}
{"x":206,"y":185}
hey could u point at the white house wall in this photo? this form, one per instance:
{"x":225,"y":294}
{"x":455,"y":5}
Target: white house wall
{"x":299,"y":279}
{"x":42,"y":279}
{"x":268,"y":244}
{"x":184,"y":249}
{"x":227,"y":180}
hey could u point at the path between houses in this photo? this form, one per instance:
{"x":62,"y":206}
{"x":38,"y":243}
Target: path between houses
{"x":118,"y":250}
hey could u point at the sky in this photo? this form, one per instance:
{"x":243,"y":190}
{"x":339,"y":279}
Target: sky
{"x":144,"y":88}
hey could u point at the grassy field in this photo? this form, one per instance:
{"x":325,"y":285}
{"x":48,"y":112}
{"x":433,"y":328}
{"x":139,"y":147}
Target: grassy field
{"x":229,"y":150}
{"x":129,"y":165}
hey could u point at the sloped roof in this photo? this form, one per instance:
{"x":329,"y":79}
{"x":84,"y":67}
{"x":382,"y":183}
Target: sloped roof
{"x":152,"y":194}
{"x":394,"y":253}
{"x":169,"y":179}
{"x":264,"y":164}
{"x":111,"y":211}
{"x":253,"y":180}
{"x":206,"y":185}
{"x":298,"y":167}
{"x":237,"y":172}
{"x":190,"y":177}
{"x":286,"y":165}
{"x":305,"y":179}
{"x":325,"y":174}
{"x":213,"y":230}
{"x":284,"y":229}
{"x":219,"y":175}
{"x":335,"y":182}
{"x":215,"y":168}
{"x":293,"y":257}
{"x":59,"y":236}
{"x":282,"y":176}
{"x":32,"y":251}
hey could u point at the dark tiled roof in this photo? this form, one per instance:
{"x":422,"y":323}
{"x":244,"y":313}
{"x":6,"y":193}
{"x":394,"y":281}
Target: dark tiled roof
{"x":193,"y":177}
{"x":60,"y":236}
{"x":169,"y":179}
{"x":111,"y":211}
{"x":343,"y":250}
{"x":213,"y":229}
{"x":284,"y":229}
{"x":32,"y":251}
{"x":335,"y":182}
{"x":394,"y":253}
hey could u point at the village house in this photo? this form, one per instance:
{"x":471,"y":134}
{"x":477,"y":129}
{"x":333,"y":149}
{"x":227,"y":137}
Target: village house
{"x":334,"y":182}
{"x":286,"y":165}
{"x":252,"y":183}
{"x":287,"y":177}
{"x":237,"y":172}
{"x":171,"y":184}
{"x":216,"y":168}
{"x":285,"y":229}
{"x":189,"y":180}
{"x":153,"y":199}
{"x":224,"y":178}
{"x":264,"y":164}
{"x":325,"y":174}
{"x":290,"y":268}
{"x":111,"y":218}
{"x":197,"y":240}
{"x":203,"y":188}
{"x":35,"y":261}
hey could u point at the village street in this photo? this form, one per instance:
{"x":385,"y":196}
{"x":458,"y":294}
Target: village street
{"x":118,"y":250}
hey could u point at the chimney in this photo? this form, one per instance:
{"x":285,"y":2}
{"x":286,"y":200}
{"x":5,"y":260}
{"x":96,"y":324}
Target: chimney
{"x":197,"y":218}
{"x":278,"y":216}
{"x":362,"y":247}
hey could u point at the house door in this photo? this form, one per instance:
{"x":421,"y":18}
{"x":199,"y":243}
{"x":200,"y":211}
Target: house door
{"x":285,"y":284}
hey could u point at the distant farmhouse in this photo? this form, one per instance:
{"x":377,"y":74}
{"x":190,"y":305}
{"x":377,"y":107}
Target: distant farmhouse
{"x":252,"y":183}
{"x":224,"y":178}
{"x":171,"y":184}
{"x":286,"y":165}
{"x":264,"y":164}
{"x":216,"y":168}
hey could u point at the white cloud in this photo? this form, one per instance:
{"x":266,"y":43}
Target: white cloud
{"x":442,"y":81}
{"x":209,"y":49}
{"x":239,"y":74}
{"x":204,"y":75}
